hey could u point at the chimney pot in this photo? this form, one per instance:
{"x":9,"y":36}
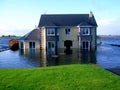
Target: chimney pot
{"x":90,"y":14}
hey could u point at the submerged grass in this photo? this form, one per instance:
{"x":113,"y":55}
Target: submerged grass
{"x":68,"y":77}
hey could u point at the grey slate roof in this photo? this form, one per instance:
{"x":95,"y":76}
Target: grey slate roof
{"x":66,"y":20}
{"x":33,"y":35}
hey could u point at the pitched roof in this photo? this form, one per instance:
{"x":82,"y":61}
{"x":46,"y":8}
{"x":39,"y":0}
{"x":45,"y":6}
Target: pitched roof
{"x":33,"y":35}
{"x":66,"y":20}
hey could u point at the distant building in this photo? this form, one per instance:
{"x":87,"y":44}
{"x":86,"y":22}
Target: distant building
{"x":62,"y":31}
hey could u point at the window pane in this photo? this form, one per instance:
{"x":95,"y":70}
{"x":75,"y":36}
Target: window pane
{"x":67,"y":31}
{"x":33,"y":45}
{"x":86,"y":44}
{"x":85,"y":31}
{"x":52,"y":45}
{"x":83,"y":45}
{"x":30,"y":44}
{"x":51,"y":31}
{"x":48,"y":31}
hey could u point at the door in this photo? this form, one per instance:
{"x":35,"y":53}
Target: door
{"x":68,"y":45}
{"x":86,"y":45}
{"x":51,"y":47}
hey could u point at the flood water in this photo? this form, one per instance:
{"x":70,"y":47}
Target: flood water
{"x":4,"y":43}
{"x":106,"y":56}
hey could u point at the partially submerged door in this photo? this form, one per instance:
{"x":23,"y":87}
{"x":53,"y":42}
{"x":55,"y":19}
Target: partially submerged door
{"x":68,"y":45}
{"x":51,"y":47}
{"x":86,"y":45}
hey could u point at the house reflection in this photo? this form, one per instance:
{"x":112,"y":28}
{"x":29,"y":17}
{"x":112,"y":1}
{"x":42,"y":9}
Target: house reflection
{"x":35,"y":55}
{"x":50,"y":59}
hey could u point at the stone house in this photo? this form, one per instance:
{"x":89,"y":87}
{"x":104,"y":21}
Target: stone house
{"x":62,"y":31}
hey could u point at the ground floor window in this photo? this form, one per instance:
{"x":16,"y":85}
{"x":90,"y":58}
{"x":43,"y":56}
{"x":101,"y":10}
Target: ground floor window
{"x":85,"y":45}
{"x":32,"y":45}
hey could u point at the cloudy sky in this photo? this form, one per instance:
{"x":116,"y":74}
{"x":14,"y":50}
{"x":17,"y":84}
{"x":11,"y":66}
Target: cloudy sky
{"x":18,"y":17}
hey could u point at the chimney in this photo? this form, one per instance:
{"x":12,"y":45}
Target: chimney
{"x":90,"y":14}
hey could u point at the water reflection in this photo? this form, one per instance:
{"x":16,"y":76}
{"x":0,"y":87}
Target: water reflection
{"x":61,"y":58}
{"x":34,"y":55}
{"x":88,"y":57}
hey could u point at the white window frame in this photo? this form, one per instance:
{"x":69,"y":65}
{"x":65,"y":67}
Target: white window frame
{"x":67,"y":31}
{"x":84,"y":30}
{"x":50,"y":31}
{"x":32,"y":46}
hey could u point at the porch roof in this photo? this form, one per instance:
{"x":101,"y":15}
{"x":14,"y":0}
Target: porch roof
{"x":33,"y":35}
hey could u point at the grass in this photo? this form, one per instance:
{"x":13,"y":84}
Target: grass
{"x":68,"y":77}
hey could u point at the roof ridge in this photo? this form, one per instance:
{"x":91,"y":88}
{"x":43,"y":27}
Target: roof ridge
{"x":63,"y":14}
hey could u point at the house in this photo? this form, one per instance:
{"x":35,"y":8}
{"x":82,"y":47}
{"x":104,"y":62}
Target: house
{"x":62,"y":31}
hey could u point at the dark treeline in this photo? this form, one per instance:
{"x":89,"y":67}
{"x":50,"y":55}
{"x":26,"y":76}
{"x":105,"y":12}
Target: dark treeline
{"x":9,"y":36}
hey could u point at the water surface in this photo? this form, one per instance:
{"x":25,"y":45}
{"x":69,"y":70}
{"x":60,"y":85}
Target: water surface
{"x":106,"y":56}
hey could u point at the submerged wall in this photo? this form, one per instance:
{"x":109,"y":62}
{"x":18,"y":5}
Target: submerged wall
{"x":94,"y":39}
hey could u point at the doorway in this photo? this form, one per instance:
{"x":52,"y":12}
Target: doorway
{"x":86,"y":45}
{"x":51,"y":47}
{"x":68,"y":45}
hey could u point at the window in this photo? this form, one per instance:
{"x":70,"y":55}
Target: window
{"x":32,"y":45}
{"x":51,"y":31}
{"x":67,"y":31}
{"x":85,"y":31}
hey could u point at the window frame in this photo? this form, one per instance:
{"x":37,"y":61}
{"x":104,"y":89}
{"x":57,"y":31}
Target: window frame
{"x":84,"y":30}
{"x":50,"y":31}
{"x":33,"y":45}
{"x":67,"y":31}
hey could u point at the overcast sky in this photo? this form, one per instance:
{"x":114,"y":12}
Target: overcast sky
{"x":18,"y":17}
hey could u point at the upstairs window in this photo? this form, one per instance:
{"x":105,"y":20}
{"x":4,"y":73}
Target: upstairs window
{"x":50,"y":31}
{"x":85,"y":31}
{"x":67,"y":31}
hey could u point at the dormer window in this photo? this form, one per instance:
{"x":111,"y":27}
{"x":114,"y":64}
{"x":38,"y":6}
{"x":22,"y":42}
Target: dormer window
{"x":67,"y":31}
{"x":85,"y":31}
{"x":50,"y":31}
